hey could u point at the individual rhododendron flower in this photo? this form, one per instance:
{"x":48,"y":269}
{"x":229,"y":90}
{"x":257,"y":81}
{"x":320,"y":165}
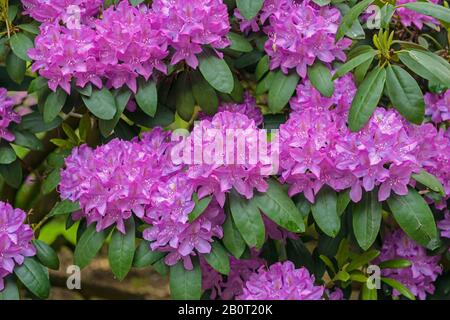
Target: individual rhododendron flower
{"x":121,"y":46}
{"x":171,"y":230}
{"x":61,"y":10}
{"x":409,"y":17}
{"x":248,"y":107}
{"x":424,"y":269}
{"x":15,"y":240}
{"x":444,"y":226}
{"x":227,"y":288}
{"x":281,"y":282}
{"x":7,"y":115}
{"x":117,"y":179}
{"x":438,"y":106}
{"x":337,"y":294}
{"x":302,"y":33}
{"x":227,"y":152}
{"x":189,"y":25}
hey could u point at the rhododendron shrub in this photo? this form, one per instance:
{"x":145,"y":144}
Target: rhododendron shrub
{"x":245,"y":149}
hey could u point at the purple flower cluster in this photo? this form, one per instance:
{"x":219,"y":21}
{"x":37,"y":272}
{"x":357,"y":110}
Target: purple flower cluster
{"x":15,"y":240}
{"x":318,"y":149}
{"x":128,"y":42}
{"x":226,"y":152}
{"x":438,"y":106}
{"x":444,"y":226}
{"x":61,"y":10}
{"x":281,"y":282}
{"x":248,"y":107}
{"x":190,"y":24}
{"x":124,"y":44}
{"x":299,"y":33}
{"x":409,"y":17}
{"x":7,"y":115}
{"x":232,"y":286}
{"x":419,"y":277}
{"x":117,"y":179}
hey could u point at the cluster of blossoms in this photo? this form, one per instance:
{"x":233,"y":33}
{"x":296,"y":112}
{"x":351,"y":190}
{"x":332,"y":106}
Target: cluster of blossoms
{"x":424,"y":270}
{"x":228,"y":151}
{"x":128,"y":42}
{"x":438,"y":106}
{"x":299,"y":33}
{"x":121,"y":46}
{"x":190,"y":24}
{"x":281,"y":282}
{"x":409,"y":17}
{"x":7,"y":115}
{"x":248,"y":107}
{"x":318,"y":149}
{"x":15,"y":240}
{"x":61,"y":10}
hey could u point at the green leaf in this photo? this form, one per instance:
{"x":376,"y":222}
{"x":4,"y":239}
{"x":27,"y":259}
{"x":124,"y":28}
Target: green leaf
{"x":121,"y":97}
{"x":262,"y":67}
{"x":147,"y":97}
{"x":46,"y":255}
{"x":415,"y":218}
{"x":248,"y":220}
{"x":184,"y":97}
{"x":328,"y":262}
{"x":353,"y":63}
{"x":433,"y":63}
{"x":10,"y":292}
{"x":430,"y":9}
{"x":89,"y":244}
{"x":363,"y":259}
{"x":27,"y":140}
{"x":320,"y":77}
{"x":218,"y":258}
{"x":216,"y":72}
{"x":186,"y":284}
{"x":343,"y":199}
{"x":405,"y":94}
{"x":145,"y":257}
{"x":121,"y":250}
{"x":101,"y":103}
{"x":265,"y":84}
{"x":322,"y":2}
{"x":395,"y":264}
{"x":303,"y":205}
{"x":342,"y":276}
{"x":12,"y":173}
{"x":33,"y":276}
{"x":239,"y":43}
{"x":200,"y":207}
{"x":369,"y":294}
{"x":51,"y":182}
{"x":367,"y":216}
{"x":399,"y":287}
{"x":324,"y":211}
{"x":20,"y":44}
{"x":15,"y":67}
{"x":7,"y":154}
{"x":430,"y":181}
{"x":34,"y":123}
{"x":276,"y":204}
{"x":349,"y":18}
{"x":29,"y":27}
{"x":204,"y":94}
{"x":249,"y":8}
{"x":366,"y":98}
{"x":281,"y":90}
{"x":419,"y":69}
{"x":64,"y":207}
{"x":232,"y":239}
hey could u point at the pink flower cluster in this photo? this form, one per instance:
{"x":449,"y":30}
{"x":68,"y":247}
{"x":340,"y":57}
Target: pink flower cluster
{"x":15,"y":240}
{"x":61,"y":10}
{"x":424,"y":270}
{"x":300,"y":32}
{"x":124,"y":44}
{"x":227,"y":152}
{"x":444,"y":226}
{"x":281,"y":282}
{"x":248,"y":107}
{"x":7,"y":115}
{"x":438,"y":106}
{"x":318,"y":149}
{"x":190,"y":24}
{"x":232,"y":286}
{"x":128,"y":42}
{"x":409,"y":17}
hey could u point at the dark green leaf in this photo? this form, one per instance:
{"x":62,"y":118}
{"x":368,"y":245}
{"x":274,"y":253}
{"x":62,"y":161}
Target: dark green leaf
{"x":281,"y":90}
{"x":51,"y":182}
{"x":324,"y":211}
{"x":89,"y":244}
{"x":144,"y":256}
{"x":419,"y":69}
{"x":147,"y":97}
{"x":121,"y":250}
{"x":7,"y":154}
{"x":367,"y":219}
{"x":184,"y":97}
{"x":239,"y":43}
{"x":262,"y":67}
{"x":430,"y":9}
{"x":20,"y":44}
{"x":216,"y":72}
{"x":218,"y":258}
{"x":46,"y":255}
{"x":101,"y":103}
{"x":186,"y":284}
{"x":363,"y":259}
{"x":433,"y":63}
{"x":399,"y":287}
{"x":232,"y":239}
{"x":12,"y":173}
{"x":353,"y":63}
{"x":204,"y":94}
{"x":395,"y":264}
{"x":33,"y":276}
{"x":430,"y":181}
{"x":249,"y":8}
{"x":27,"y":140}
{"x":15,"y":67}
{"x":34,"y":123}
{"x":200,"y":207}
{"x":121,"y":97}
{"x":349,"y":18}
{"x":10,"y":292}
{"x":64,"y":207}
{"x":343,"y":199}
{"x":320,"y":77}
